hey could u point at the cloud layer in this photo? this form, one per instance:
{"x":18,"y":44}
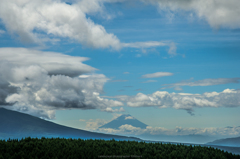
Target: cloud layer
{"x":37,"y":83}
{"x":94,"y":125}
{"x":186,"y":101}
{"x":210,"y":131}
{"x":54,"y":63}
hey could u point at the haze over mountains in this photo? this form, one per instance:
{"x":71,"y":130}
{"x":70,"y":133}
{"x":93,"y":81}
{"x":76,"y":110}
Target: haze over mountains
{"x":235,"y":142}
{"x":18,"y":125}
{"x":127,"y":119}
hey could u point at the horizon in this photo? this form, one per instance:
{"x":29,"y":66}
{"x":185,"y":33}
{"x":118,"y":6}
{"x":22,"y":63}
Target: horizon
{"x":173,"y":66}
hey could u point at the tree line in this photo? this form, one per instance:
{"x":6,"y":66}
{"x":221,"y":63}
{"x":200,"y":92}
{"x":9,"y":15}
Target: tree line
{"x":59,"y":148}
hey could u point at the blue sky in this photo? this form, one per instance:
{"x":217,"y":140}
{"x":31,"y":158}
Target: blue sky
{"x":141,"y":57}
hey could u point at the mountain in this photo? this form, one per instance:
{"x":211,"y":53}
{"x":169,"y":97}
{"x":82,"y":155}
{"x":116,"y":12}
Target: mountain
{"x":191,"y":138}
{"x":122,"y":120}
{"x":235,"y":142}
{"x":19,"y":125}
{"x":130,"y":120}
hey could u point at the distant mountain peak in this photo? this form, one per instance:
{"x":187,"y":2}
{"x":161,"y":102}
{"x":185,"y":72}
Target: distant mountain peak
{"x":123,"y":120}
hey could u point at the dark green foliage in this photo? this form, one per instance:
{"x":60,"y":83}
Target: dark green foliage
{"x":77,"y":148}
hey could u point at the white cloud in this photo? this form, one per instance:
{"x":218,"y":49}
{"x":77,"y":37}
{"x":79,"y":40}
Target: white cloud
{"x":36,"y":21}
{"x":32,"y":83}
{"x":94,"y":124}
{"x":228,"y":91}
{"x":172,"y":49}
{"x":109,"y":109}
{"x":204,"y":82}
{"x":218,"y":13}
{"x":149,"y":81}
{"x":56,"y":18}
{"x":115,"y":116}
{"x":157,"y":74}
{"x":186,"y":101}
{"x":54,"y":63}
{"x":2,"y":32}
{"x":145,"y":44}
{"x":128,"y":117}
{"x":150,"y":44}
{"x":210,"y":131}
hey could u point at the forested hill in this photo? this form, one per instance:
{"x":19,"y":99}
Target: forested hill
{"x":77,"y":148}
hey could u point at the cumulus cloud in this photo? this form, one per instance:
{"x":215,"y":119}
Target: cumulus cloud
{"x":157,"y":74}
{"x":204,"y":82}
{"x":40,"y":21}
{"x":56,"y":18}
{"x":41,"y":87}
{"x":218,"y":13}
{"x":186,"y":101}
{"x":109,"y":109}
{"x":94,"y":124}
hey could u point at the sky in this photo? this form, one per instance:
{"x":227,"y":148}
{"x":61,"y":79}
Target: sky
{"x":173,"y":65}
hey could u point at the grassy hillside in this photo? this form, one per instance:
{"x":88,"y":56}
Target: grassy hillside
{"x":76,"y":148}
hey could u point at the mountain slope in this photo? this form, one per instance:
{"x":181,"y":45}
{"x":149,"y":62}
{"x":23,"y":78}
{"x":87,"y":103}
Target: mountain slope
{"x":122,"y":120}
{"x":227,"y":142}
{"x":17,"y":125}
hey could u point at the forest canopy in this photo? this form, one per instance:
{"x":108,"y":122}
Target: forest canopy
{"x":57,"y":148}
